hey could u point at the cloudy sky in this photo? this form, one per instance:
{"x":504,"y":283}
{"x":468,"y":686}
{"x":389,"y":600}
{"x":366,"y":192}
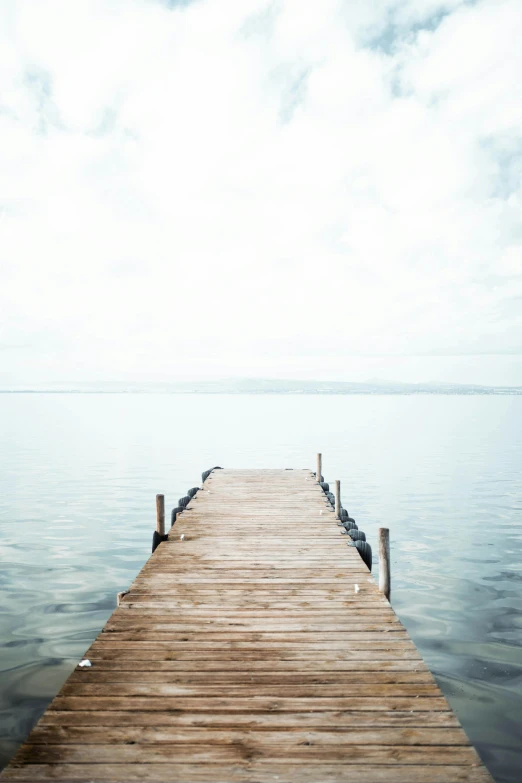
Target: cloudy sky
{"x":271,"y":188}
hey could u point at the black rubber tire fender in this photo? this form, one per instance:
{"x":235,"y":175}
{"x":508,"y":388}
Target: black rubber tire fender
{"x":356,"y":535}
{"x":206,"y":473}
{"x":157,"y":538}
{"x":173,"y":515}
{"x":365,"y":552}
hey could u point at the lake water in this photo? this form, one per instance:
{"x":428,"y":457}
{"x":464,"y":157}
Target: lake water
{"x":78,"y":479}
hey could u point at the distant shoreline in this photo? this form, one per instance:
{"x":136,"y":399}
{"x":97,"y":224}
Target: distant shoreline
{"x":273,"y":386}
{"x":461,"y":392}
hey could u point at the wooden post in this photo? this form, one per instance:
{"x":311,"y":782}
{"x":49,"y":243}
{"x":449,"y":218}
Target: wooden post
{"x":160,"y":514}
{"x":384,"y":562}
{"x":319,"y":469}
{"x":338,"y":499}
{"x":120,"y":597}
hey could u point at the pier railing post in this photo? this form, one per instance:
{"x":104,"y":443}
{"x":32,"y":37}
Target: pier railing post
{"x":337,"y":499}
{"x":319,"y":469}
{"x":384,"y":561}
{"x":160,"y":514}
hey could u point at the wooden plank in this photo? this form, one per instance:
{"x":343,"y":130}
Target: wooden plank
{"x":231,"y":661}
{"x":312,"y":691}
{"x":256,"y":704}
{"x":329,"y":614}
{"x":251,"y":773}
{"x":243,"y":653}
{"x":120,"y":674}
{"x":177,"y":642}
{"x":253,"y":668}
{"x":183,"y":606}
{"x":226,"y":639}
{"x":164,"y":660}
{"x":333,"y":720}
{"x":267,"y":649}
{"x":294,"y":737}
{"x":169,"y":579}
{"x":358,"y":639}
{"x":256,"y":595}
{"x":179,"y":753}
{"x":175,"y":619}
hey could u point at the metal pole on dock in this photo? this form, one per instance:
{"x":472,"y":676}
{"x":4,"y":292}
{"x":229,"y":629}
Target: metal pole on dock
{"x":319,"y":469}
{"x":384,"y":561}
{"x":338,"y":499}
{"x":160,"y":514}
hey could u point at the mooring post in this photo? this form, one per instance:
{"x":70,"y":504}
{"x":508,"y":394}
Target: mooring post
{"x":160,"y":514}
{"x":121,"y":596}
{"x":338,"y":499}
{"x":319,"y":469}
{"x":384,"y":561}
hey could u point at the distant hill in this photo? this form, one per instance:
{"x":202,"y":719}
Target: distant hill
{"x":265,"y":386}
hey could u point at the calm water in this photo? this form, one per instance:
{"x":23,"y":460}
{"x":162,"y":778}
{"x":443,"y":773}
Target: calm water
{"x":78,"y":478}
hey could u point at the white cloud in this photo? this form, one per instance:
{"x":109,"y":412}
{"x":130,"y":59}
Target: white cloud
{"x":260,"y":187}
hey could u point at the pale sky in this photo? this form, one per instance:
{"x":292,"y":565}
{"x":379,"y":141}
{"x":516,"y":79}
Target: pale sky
{"x":285,"y":188}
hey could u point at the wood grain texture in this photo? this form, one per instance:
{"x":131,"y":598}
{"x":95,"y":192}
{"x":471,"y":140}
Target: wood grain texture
{"x":246,"y":772}
{"x":243,"y":653}
{"x":160,"y":514}
{"x":384,"y":561}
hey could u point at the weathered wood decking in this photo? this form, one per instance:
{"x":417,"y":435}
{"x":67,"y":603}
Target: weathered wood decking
{"x":243,"y":653}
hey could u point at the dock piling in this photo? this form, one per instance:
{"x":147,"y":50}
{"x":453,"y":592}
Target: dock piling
{"x":337,"y":499}
{"x":159,"y":534}
{"x":384,"y":562}
{"x":319,"y":469}
{"x":160,"y":514}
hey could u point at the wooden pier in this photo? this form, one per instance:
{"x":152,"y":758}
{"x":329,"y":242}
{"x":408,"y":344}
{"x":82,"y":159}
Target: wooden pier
{"x":253,"y":647}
